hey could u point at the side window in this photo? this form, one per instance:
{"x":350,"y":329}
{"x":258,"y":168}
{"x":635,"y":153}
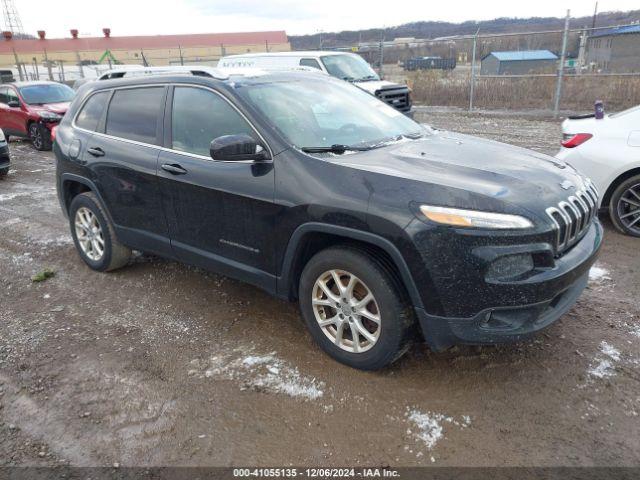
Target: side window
{"x":310,"y":62}
{"x":3,"y":95}
{"x":12,"y":96}
{"x":134,"y":113}
{"x":199,"y":116}
{"x":91,"y":113}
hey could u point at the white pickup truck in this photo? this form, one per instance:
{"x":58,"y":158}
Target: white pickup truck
{"x":346,"y":66}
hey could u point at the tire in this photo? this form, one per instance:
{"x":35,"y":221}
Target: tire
{"x":114,"y":254}
{"x":625,"y":202}
{"x":40,"y":137}
{"x":388,"y":339}
{"x":4,"y":172}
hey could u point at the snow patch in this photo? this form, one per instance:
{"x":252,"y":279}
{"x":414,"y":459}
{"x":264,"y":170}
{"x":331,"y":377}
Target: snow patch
{"x":430,"y":427}
{"x":605,"y":363}
{"x":599,"y":274}
{"x":263,"y":373}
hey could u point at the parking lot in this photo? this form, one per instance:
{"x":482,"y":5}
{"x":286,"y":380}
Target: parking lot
{"x":164,"y":364}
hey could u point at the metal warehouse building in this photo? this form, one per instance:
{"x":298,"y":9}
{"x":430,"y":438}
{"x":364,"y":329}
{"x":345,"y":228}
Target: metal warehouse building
{"x":615,"y":50}
{"x":518,"y":63}
{"x":158,"y":50}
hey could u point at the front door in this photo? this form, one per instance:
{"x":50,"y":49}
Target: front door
{"x":220,"y":213}
{"x":13,"y":120}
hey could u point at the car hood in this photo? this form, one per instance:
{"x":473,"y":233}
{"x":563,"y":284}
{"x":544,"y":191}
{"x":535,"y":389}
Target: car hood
{"x":59,"y":108}
{"x":375,"y":85}
{"x":515,"y":175}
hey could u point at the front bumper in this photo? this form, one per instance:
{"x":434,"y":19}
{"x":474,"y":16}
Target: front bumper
{"x":550,"y":295}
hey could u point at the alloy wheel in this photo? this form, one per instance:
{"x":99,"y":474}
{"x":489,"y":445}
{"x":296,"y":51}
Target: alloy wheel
{"x":89,"y":234}
{"x":36,"y":136}
{"x":628,"y":209}
{"x":346,"y":311}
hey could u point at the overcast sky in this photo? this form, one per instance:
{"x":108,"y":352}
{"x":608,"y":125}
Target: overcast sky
{"x":152,"y":17}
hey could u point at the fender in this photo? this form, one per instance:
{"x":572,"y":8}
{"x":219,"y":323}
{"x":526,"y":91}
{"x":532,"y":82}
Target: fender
{"x":293,"y":249}
{"x":71,"y":177}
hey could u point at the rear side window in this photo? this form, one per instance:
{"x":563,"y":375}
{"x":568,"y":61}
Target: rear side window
{"x":134,"y":114}
{"x":3,"y":95}
{"x":199,"y":116}
{"x":310,"y":62}
{"x":91,"y":113}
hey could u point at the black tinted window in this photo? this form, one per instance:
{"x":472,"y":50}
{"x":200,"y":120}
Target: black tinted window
{"x":199,"y":116}
{"x":3,"y":95}
{"x":134,"y":113}
{"x":310,"y":62}
{"x":91,"y":113}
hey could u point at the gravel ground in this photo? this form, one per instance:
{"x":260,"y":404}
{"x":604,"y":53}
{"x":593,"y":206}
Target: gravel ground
{"x":164,"y":364}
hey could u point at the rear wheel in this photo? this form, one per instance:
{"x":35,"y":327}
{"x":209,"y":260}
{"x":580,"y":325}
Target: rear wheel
{"x":40,"y":137}
{"x":94,"y":236}
{"x":354,"y":310}
{"x":625,"y":207}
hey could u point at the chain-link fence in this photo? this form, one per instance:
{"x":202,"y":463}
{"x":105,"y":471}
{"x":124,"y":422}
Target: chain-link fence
{"x":76,"y":65}
{"x":552,"y":70}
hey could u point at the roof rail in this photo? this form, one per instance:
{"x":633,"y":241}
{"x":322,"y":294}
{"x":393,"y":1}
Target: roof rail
{"x":137,"y":71}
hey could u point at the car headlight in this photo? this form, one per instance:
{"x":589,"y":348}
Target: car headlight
{"x":473,"y":218}
{"x":50,"y":115}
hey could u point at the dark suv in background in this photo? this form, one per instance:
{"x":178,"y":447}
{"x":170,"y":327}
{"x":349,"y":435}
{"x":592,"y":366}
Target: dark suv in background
{"x":31,"y":109}
{"x":315,"y":191}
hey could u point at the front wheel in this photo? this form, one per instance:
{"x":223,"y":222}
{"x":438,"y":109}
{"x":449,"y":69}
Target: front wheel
{"x":40,"y":137}
{"x":624,"y":208}
{"x":354,"y":310}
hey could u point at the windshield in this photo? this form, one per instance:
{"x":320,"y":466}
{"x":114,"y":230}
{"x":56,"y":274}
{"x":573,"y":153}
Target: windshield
{"x":50,"y":93}
{"x":320,"y":113}
{"x":349,"y":67}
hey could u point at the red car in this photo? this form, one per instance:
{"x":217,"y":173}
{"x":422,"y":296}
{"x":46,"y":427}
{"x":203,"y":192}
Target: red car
{"x":31,"y":109}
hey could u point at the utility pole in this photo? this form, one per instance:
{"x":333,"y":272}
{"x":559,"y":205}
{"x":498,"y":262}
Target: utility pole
{"x":381,"y":56}
{"x":80,"y":64}
{"x":563,"y":55}
{"x":473,"y":71}
{"x":15,"y":55}
{"x":595,"y":15}
{"x":181,"y":59}
{"x":48,"y":64}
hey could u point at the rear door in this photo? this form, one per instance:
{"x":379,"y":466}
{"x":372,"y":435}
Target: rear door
{"x":220,"y":213}
{"x":123,"y":155}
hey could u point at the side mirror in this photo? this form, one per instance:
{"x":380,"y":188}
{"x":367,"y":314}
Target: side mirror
{"x":14,"y":104}
{"x":237,"y":147}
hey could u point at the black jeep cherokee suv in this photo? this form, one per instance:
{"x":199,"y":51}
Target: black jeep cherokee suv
{"x":315,"y":191}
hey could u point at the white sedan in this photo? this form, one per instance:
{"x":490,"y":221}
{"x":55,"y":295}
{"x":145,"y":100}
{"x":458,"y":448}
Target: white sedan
{"x":608,"y":151}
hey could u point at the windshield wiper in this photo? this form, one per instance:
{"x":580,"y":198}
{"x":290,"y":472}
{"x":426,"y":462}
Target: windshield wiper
{"x":337,"y":149}
{"x":368,"y":78}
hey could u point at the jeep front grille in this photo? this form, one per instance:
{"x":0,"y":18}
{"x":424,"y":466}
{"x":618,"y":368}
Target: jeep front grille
{"x":572,"y":217}
{"x":398,"y":98}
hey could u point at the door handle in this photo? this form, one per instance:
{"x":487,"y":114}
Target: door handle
{"x":96,"y":151}
{"x":173,"y":168}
